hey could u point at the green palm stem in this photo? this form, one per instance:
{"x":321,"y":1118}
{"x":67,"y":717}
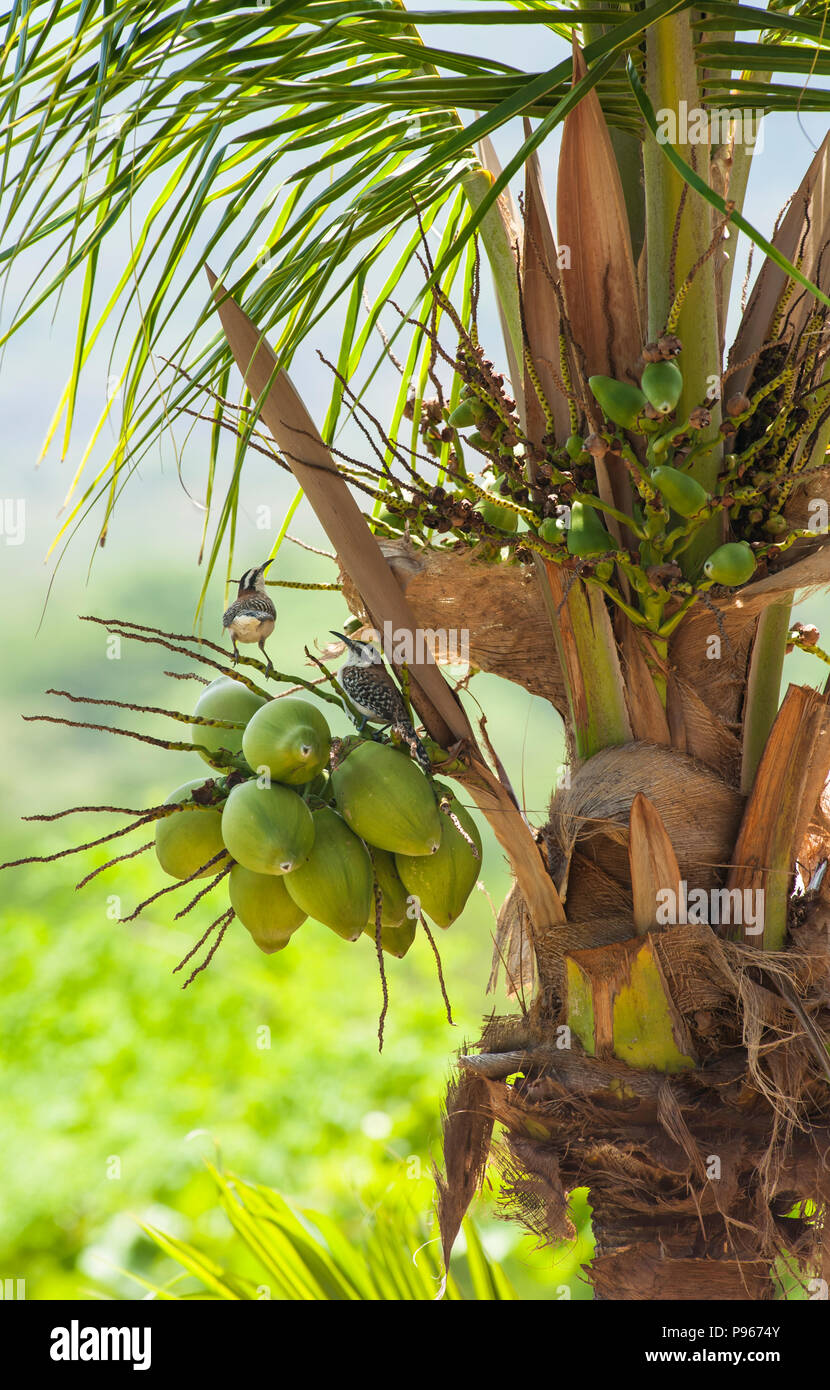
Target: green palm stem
{"x":588,"y":659}
{"x":763,"y":688}
{"x":653,"y":606}
{"x":671,"y":78}
{"x":501,"y":257}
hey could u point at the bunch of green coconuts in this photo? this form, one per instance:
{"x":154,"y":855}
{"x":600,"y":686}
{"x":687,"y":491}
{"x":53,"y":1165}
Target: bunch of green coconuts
{"x":306,"y":839}
{"x":671,"y":505}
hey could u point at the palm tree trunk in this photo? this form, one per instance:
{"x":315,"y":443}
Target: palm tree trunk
{"x":678,"y":1073}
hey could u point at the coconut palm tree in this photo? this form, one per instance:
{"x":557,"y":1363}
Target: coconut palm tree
{"x":645,"y":508}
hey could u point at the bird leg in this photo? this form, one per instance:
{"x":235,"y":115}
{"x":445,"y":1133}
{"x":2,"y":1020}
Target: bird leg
{"x":269,"y":671}
{"x":375,"y":735}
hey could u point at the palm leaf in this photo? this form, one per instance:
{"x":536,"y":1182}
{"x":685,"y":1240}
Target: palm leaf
{"x":714,"y":199}
{"x":222,"y":1284}
{"x":350,"y":61}
{"x":358,"y":114}
{"x":305,"y":1256}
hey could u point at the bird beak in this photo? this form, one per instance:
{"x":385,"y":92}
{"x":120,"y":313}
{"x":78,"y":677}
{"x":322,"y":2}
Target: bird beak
{"x":267,"y":563}
{"x":343,"y":638}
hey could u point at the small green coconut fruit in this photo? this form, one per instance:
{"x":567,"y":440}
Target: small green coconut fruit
{"x":576,"y":450}
{"x":267,"y":829}
{"x":464,"y":415}
{"x":586,"y":533}
{"x":387,"y":800}
{"x":188,"y":839}
{"x":393,"y":894}
{"x":732,"y":564}
{"x":662,"y":384}
{"x":224,"y":698}
{"x":265,"y":907}
{"x":682,"y":492}
{"x":334,"y":885}
{"x":395,"y":941}
{"x":502,"y":518}
{"x":443,"y":881}
{"x":553,"y":530}
{"x":289,"y":737}
{"x":620,"y":401}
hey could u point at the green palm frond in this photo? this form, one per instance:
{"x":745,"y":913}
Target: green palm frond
{"x":306,"y":1257}
{"x":700,"y":186}
{"x":289,"y":144}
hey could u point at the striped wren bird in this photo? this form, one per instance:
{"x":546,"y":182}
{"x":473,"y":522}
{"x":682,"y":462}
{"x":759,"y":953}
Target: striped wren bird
{"x":375,"y":696}
{"x":252,"y":615}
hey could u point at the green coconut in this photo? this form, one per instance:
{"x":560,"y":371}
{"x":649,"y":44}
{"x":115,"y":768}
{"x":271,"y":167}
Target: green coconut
{"x":553,"y":530}
{"x":335,"y":884}
{"x":586,"y":534}
{"x":393,"y":894}
{"x":263,"y":905}
{"x":397,"y":930}
{"x":443,"y":881}
{"x":395,"y":941}
{"x":662,"y":383}
{"x":224,"y":698}
{"x":387,"y":800}
{"x":267,"y":829}
{"x":620,"y":401}
{"x":682,"y":492}
{"x":463,"y":416}
{"x":497,"y":515}
{"x":733,"y":564}
{"x":291,"y":738}
{"x":189,"y":838}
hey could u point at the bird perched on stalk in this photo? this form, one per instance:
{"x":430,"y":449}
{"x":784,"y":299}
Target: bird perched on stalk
{"x":375,"y":695}
{"x":252,"y":615}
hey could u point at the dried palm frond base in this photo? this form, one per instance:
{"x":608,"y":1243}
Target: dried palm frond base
{"x":700,"y":1182}
{"x":681,"y":1076}
{"x":501,"y":627}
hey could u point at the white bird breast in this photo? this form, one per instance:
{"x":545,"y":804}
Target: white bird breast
{"x":246,"y":627}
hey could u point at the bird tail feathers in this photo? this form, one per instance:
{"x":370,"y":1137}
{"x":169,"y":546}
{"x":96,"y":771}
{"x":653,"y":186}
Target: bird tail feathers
{"x":416,"y":748}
